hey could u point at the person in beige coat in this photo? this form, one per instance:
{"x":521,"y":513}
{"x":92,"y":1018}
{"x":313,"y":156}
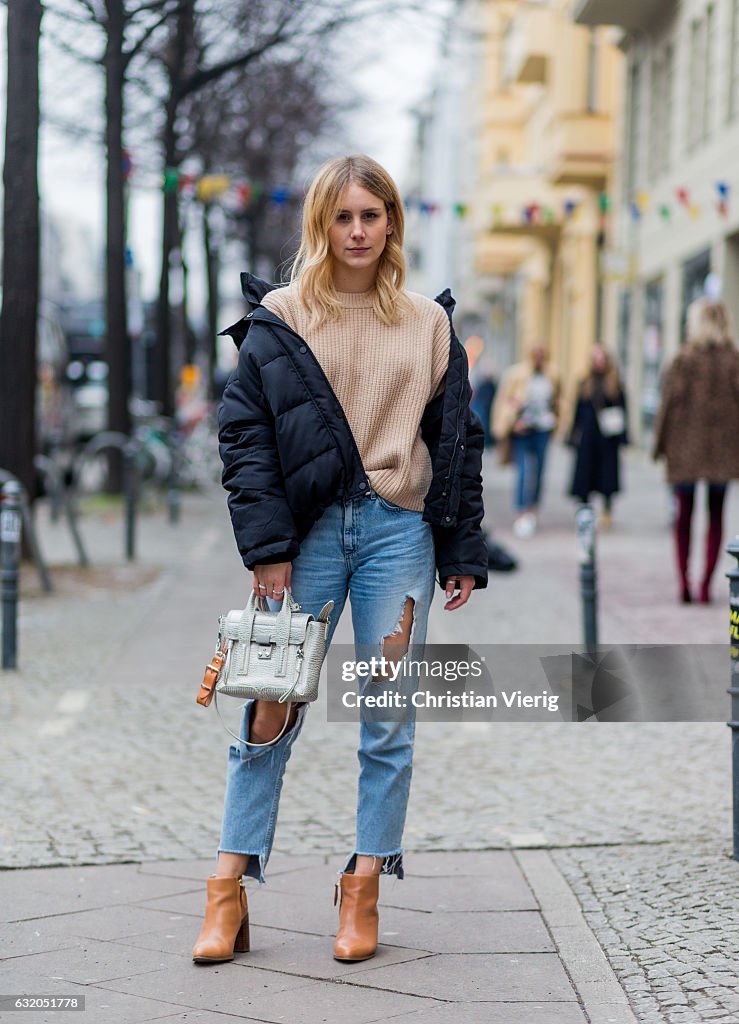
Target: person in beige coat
{"x":524,"y":417}
{"x":697,"y":431}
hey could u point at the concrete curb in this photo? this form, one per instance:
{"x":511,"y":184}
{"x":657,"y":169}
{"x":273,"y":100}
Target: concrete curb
{"x":602,"y":997}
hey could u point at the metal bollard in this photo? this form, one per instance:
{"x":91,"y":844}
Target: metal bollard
{"x":174,"y":497}
{"x":10,"y":548}
{"x":585,"y":524}
{"x":733,"y":723}
{"x":130,"y":497}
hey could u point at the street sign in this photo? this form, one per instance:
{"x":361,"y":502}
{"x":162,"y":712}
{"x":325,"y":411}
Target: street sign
{"x":10,"y":526}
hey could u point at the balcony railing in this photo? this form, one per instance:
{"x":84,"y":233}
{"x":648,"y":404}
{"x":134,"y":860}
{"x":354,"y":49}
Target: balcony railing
{"x":501,"y":253}
{"x":529,"y":43}
{"x":628,"y":14}
{"x":583,"y":149}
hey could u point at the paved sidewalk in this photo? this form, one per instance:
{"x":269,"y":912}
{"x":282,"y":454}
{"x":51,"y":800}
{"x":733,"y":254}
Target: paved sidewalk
{"x":470,"y":937}
{"x":615,"y":831}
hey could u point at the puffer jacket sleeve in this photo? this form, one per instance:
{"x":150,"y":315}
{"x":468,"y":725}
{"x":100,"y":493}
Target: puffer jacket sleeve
{"x":461,"y":549}
{"x":262,"y":521}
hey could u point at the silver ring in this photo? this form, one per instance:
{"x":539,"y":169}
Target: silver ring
{"x":278,"y":592}
{"x":261,"y":586}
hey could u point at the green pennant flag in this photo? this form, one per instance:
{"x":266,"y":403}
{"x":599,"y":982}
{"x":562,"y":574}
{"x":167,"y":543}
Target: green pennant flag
{"x":171,"y":180}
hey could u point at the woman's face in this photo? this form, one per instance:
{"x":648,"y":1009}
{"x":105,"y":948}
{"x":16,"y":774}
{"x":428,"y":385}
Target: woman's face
{"x":598,"y":359}
{"x":359,"y":233}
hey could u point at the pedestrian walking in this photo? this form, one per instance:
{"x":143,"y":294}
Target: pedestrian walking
{"x":696,"y":430}
{"x":598,"y":433}
{"x":484,"y":385}
{"x":353,"y":464}
{"x":524,"y":417}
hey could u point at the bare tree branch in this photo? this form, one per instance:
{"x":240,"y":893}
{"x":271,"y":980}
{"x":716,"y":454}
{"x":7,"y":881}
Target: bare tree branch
{"x":73,"y":129}
{"x":90,"y":7}
{"x":72,"y":51}
{"x":71,"y":16}
{"x":132,"y":51}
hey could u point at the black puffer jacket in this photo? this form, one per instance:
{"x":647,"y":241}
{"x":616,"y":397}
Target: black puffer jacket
{"x":288,"y":452}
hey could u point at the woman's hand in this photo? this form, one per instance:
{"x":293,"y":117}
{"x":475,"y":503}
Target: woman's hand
{"x":272,"y":580}
{"x":465,"y":584}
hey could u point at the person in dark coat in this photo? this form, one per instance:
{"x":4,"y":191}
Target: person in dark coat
{"x":696,"y":430}
{"x":598,"y":433}
{"x":353,"y":467}
{"x":485,"y":384}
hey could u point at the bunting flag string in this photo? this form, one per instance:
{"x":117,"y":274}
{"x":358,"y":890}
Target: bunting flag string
{"x":240,"y":193}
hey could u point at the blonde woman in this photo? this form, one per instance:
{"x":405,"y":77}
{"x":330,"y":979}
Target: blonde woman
{"x":352,"y":464}
{"x":524,"y":418}
{"x":696,"y":430}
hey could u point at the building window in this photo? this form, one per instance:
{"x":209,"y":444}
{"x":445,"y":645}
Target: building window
{"x":697,"y":83}
{"x":658,"y":114}
{"x":631,"y":177}
{"x":591,"y":100}
{"x":668,"y":91}
{"x":734,"y":61}
{"x":624,"y":331}
{"x":709,"y":71}
{"x":652,"y":352}
{"x":695,"y":272}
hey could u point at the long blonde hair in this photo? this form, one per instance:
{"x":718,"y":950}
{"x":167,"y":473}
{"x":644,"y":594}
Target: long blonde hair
{"x":312,"y":269}
{"x":708,"y":321}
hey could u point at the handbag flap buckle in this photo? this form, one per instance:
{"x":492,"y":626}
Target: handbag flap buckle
{"x":264,"y":651}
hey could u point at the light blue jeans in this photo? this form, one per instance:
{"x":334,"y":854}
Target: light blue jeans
{"x":380,"y":555}
{"x":529,"y":454}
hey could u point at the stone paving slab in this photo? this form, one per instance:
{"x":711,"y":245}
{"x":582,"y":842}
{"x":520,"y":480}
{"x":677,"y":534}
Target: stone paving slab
{"x":106,"y":923}
{"x":271,"y":997}
{"x":191,"y":1015}
{"x":493,"y":932}
{"x":64,"y":890}
{"x":498,"y":1013}
{"x":500,"y":887}
{"x":481,"y":977}
{"x":132,"y":960}
{"x":88,"y":962}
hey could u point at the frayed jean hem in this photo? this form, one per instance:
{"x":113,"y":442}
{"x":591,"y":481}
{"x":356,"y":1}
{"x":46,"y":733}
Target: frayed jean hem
{"x":392,"y":863}
{"x":255,"y":864}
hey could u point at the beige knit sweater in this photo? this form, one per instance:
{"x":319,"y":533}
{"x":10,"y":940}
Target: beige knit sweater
{"x":383,"y":378}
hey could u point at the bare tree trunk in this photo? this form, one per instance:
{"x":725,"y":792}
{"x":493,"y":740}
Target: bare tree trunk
{"x":118,"y":343}
{"x":212,"y":262}
{"x":180,"y":53}
{"x":163,"y":343}
{"x":20,"y":278}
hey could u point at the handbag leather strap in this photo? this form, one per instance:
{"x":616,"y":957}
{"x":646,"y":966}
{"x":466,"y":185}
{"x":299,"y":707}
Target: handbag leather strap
{"x":283,"y":625}
{"x":240,"y":739}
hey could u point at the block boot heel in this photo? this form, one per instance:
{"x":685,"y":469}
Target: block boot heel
{"x":225,"y":930}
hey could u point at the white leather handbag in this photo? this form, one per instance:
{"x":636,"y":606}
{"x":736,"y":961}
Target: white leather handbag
{"x":268,"y":655}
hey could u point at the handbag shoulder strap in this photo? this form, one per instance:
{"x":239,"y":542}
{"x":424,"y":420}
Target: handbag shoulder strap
{"x":240,"y":739}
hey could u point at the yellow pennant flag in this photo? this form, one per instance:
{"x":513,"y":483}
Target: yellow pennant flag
{"x":212,"y":186}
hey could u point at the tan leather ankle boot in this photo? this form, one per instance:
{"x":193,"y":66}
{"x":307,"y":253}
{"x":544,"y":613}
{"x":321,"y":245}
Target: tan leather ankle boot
{"x":225,"y":930}
{"x":356,"y":938}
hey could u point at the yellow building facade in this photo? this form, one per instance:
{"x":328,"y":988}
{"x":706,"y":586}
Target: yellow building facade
{"x":549,"y":122}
